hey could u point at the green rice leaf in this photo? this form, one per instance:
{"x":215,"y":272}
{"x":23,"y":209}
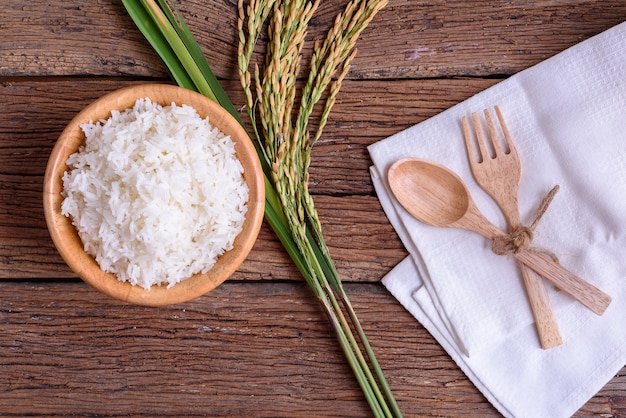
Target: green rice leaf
{"x":153,"y":35}
{"x":171,"y":36}
{"x":185,"y":35}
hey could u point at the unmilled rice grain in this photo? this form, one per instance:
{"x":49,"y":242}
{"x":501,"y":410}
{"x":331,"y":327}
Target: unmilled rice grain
{"x":156,"y":193}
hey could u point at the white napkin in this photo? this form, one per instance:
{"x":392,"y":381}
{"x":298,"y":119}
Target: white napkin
{"x":568,"y":119}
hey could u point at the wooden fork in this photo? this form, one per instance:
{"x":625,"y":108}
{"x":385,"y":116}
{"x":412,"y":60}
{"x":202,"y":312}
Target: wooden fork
{"x":499,"y":175}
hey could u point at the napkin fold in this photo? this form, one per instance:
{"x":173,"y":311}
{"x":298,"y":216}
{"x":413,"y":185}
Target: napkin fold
{"x":567,"y":116}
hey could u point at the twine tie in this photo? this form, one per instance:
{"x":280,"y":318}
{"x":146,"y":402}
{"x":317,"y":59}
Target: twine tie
{"x":521,"y":238}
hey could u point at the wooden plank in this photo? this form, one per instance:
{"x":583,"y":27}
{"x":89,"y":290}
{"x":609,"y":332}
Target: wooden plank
{"x":478,"y":38}
{"x":39,"y":110}
{"x":61,"y":38}
{"x":408,"y":39}
{"x":85,"y":354}
{"x":361,"y":241}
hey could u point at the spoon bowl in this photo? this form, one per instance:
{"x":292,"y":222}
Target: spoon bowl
{"x":436,"y":196}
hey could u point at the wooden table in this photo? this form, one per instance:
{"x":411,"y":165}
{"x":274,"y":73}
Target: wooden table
{"x":258,"y":345}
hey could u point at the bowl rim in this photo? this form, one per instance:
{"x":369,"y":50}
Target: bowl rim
{"x":65,"y":236}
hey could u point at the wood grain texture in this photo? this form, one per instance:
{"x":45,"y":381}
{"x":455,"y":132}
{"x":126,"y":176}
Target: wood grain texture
{"x":86,"y":354}
{"x":408,"y":39}
{"x":258,"y":345}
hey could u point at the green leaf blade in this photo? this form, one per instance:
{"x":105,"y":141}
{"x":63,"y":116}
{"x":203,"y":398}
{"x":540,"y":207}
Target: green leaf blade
{"x":162,"y":47}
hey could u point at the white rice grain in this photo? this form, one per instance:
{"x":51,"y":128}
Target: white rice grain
{"x":156,"y":193}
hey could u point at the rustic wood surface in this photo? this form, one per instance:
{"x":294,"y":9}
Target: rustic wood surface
{"x":258,"y":345}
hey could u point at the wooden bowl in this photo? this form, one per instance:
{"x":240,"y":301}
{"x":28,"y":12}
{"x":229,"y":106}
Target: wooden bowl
{"x":70,"y":245}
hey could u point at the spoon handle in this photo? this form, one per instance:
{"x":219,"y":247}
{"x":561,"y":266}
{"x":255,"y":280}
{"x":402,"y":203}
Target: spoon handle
{"x":584,"y":292}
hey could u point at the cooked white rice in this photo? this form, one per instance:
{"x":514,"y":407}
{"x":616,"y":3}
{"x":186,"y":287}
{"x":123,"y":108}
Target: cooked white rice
{"x":156,"y":193}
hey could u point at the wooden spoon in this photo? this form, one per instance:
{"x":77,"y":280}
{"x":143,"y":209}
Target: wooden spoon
{"x":438,"y":197}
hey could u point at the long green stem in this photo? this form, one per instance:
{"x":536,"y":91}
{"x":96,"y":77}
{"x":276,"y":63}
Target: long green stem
{"x":331,"y":273}
{"x":348,"y":332}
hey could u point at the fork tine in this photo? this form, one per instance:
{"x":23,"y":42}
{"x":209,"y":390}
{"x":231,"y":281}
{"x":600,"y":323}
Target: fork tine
{"x":480,"y":138}
{"x":472,"y":153}
{"x":493,"y":135}
{"x":507,"y":135}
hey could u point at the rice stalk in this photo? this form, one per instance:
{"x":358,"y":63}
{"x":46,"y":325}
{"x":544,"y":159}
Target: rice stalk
{"x":284,"y":146}
{"x":288,"y":146}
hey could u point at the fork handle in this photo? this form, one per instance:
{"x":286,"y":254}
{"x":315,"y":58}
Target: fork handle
{"x":545,"y":321}
{"x":584,"y":292}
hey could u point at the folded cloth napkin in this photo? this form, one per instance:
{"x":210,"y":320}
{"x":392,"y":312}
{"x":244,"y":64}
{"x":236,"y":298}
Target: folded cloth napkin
{"x":567,"y":116}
